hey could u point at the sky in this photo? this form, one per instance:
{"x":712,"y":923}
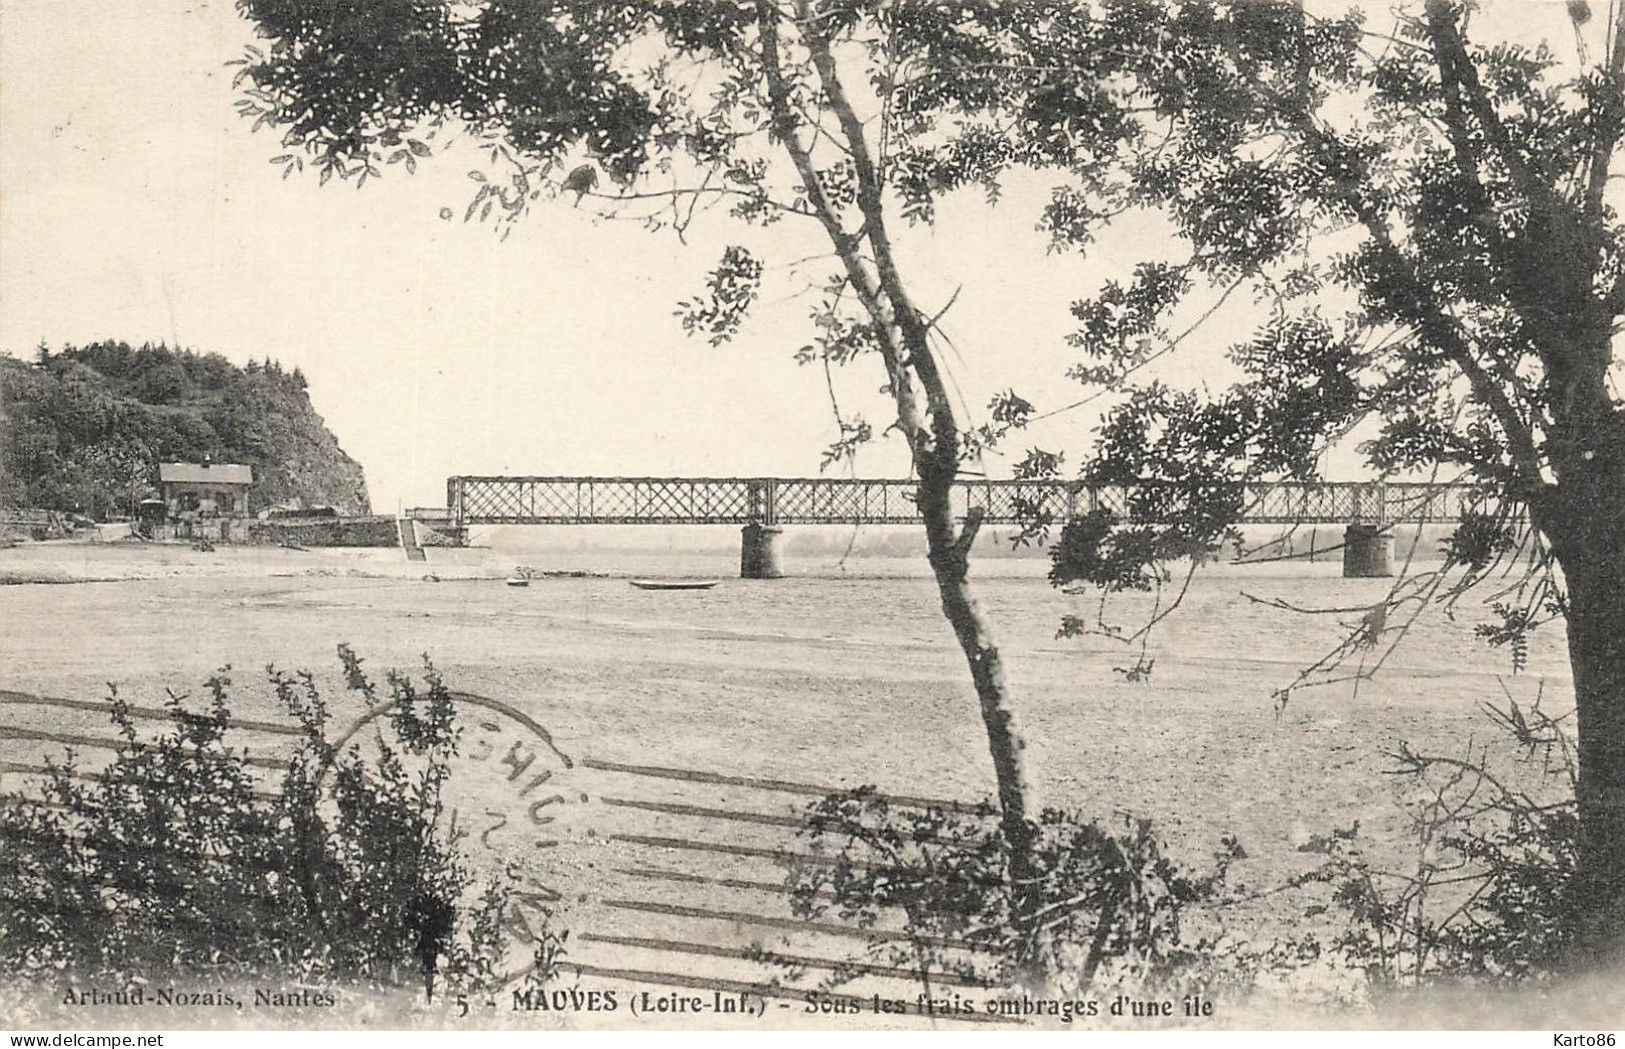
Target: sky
{"x":136,"y":205}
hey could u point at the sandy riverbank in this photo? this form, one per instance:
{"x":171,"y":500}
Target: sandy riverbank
{"x":828,"y":680}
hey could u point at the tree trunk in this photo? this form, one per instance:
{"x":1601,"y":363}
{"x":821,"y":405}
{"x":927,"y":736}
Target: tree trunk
{"x":935,"y":448}
{"x":1590,"y":546}
{"x":933,"y":439}
{"x":950,"y":562}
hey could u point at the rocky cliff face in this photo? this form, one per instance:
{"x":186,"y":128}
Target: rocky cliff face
{"x":85,"y":428}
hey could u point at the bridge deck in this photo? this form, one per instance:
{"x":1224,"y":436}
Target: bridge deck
{"x":806,"y":500}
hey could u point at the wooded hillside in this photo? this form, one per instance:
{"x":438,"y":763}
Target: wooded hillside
{"x":84,"y":429}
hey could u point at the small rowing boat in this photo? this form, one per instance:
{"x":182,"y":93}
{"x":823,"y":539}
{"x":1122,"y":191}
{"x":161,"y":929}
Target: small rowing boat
{"x":674,"y":584}
{"x":518,"y":580}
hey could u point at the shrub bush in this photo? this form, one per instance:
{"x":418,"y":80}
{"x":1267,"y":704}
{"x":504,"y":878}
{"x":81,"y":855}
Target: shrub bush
{"x":1115,"y":910}
{"x":175,"y":860}
{"x":1488,"y":899}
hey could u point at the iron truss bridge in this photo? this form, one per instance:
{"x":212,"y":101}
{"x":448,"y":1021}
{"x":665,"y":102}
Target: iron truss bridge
{"x":773,"y":501}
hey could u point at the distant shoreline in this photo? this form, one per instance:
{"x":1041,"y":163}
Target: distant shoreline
{"x":551,"y":555}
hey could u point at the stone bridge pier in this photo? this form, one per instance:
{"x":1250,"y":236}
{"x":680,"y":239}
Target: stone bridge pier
{"x":1368,"y":552}
{"x":759,"y":552}
{"x":759,"y":539}
{"x":1368,"y":540}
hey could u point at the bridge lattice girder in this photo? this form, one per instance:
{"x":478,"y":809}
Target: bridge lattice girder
{"x":806,"y":500}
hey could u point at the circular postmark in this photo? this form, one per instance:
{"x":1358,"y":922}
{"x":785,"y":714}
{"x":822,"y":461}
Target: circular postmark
{"x":507,"y":801}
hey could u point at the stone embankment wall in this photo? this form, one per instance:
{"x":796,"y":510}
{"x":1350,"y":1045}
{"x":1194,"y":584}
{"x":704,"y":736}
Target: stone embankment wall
{"x":376,"y":530}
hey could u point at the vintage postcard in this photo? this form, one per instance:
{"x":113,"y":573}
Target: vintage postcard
{"x":812,"y":514}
